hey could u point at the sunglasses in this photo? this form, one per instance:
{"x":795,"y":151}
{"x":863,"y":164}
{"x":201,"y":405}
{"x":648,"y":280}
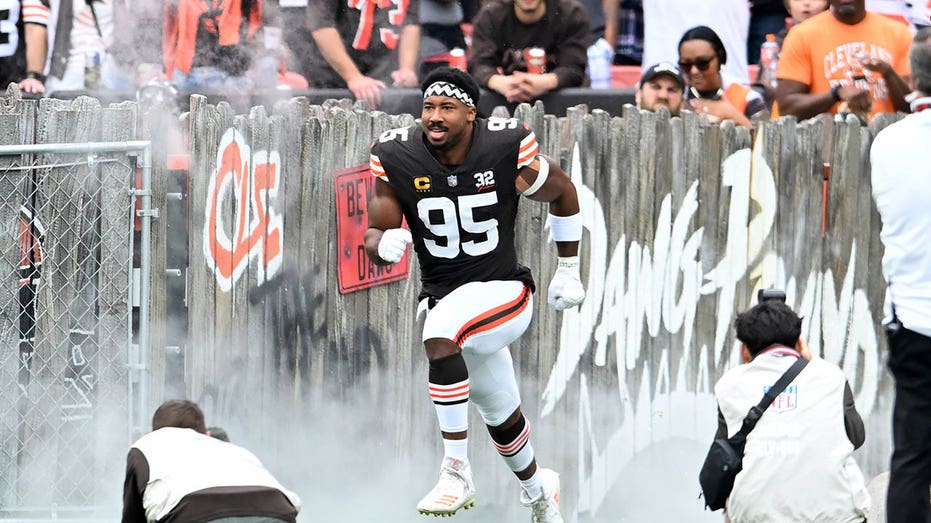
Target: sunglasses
{"x":701,"y":63}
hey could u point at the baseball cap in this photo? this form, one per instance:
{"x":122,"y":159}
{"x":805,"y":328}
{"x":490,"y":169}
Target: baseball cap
{"x":662,"y":68}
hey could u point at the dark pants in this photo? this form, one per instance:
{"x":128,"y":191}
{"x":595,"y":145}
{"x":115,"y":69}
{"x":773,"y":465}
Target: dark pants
{"x":910,"y":476}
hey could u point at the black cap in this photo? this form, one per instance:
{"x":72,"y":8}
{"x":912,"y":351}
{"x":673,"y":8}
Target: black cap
{"x":662,"y":68}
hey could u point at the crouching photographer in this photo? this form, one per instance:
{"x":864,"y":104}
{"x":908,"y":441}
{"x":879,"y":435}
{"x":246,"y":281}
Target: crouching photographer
{"x":787,"y":425}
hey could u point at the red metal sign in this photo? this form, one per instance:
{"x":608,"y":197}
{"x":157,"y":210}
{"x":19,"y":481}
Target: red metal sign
{"x":355,"y":271}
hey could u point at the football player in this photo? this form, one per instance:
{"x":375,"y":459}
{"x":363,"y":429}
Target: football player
{"x":457,"y":179}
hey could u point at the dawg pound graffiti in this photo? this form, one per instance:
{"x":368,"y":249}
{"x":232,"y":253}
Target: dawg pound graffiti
{"x":666,"y":393}
{"x":251,"y":180}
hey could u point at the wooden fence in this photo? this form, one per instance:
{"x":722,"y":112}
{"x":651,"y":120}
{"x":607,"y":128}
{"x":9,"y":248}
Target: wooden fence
{"x":684,"y":221}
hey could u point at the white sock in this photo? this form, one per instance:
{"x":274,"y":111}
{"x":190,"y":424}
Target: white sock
{"x":457,"y":448}
{"x":532,"y":486}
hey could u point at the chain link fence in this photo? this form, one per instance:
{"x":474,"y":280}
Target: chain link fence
{"x":74,"y":261}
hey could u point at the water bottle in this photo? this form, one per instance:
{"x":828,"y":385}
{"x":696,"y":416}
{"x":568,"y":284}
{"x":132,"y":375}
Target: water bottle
{"x":769,"y":61}
{"x":92,"y":63}
{"x":600,"y":56}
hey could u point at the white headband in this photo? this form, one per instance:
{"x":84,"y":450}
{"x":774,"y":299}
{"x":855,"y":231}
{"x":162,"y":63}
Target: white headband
{"x":449,"y":90}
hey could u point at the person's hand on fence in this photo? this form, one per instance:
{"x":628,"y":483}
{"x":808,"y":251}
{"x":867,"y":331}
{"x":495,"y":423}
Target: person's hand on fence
{"x":566,"y":288}
{"x":368,"y":89}
{"x":404,"y":78}
{"x":393,"y":244}
{"x":32,"y":85}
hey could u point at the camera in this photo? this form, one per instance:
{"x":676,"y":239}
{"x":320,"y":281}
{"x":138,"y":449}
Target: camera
{"x":770,"y":294}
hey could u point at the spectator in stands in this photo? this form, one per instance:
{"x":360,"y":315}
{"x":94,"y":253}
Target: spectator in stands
{"x":179,"y":473}
{"x":626,"y":32}
{"x":75,"y":45}
{"x":662,"y":85}
{"x":362,"y":52}
{"x":215,"y":48}
{"x":701,"y":58}
{"x":13,"y":45}
{"x":504,"y":31}
{"x":846,"y":55}
{"x":440,"y":32}
{"x":799,"y":11}
{"x":665,"y":20}
{"x":766,"y":17}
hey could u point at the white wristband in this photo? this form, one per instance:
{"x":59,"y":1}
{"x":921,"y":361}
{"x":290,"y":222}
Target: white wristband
{"x":542,"y":175}
{"x":566,"y":228}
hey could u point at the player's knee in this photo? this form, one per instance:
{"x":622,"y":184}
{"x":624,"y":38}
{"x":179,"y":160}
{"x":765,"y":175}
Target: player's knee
{"x":438,"y":348}
{"x":448,"y":370}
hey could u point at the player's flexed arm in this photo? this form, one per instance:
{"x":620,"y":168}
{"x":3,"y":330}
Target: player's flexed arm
{"x":543,"y":180}
{"x":385,"y":240}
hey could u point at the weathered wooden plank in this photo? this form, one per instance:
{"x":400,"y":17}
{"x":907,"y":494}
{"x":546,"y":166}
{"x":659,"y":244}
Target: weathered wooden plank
{"x":319,"y":139}
{"x":712,"y":204}
{"x":200,"y":301}
{"x":117,"y":175}
{"x":840,"y":243}
{"x":800,"y":221}
{"x":282,"y":335}
{"x":205,"y":133}
{"x":737,"y":138}
{"x":260,"y":281}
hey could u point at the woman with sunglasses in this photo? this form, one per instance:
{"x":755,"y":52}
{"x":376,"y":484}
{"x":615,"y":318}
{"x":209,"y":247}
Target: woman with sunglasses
{"x":701,"y":55}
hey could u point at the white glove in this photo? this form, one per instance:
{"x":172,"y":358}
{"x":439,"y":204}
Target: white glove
{"x":566,"y":288}
{"x":393,"y":243}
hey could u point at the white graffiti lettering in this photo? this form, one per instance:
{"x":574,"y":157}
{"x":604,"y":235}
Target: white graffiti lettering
{"x":659,"y":288}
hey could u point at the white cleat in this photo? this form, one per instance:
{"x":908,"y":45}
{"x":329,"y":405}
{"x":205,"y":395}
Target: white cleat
{"x":546,"y":507}
{"x":454,"y":491}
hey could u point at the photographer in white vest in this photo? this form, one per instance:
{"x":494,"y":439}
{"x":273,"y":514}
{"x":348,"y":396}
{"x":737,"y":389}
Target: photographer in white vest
{"x":798,"y":461}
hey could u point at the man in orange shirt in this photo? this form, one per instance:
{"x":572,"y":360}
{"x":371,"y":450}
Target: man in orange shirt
{"x":846,"y":54}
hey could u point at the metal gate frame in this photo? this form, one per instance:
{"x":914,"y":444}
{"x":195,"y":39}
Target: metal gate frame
{"x":138,"y":286}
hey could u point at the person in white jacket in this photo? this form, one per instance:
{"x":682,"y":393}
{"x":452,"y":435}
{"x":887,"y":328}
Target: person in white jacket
{"x":178,"y":472}
{"x":798,"y":461}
